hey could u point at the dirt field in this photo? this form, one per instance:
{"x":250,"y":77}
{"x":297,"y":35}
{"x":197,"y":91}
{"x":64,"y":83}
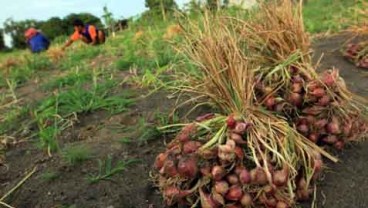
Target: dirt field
{"x":344,"y":186}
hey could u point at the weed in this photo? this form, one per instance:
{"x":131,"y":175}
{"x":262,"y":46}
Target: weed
{"x":326,"y":15}
{"x":106,"y":169}
{"x":125,"y":140}
{"x":72,"y":79}
{"x":77,"y":154}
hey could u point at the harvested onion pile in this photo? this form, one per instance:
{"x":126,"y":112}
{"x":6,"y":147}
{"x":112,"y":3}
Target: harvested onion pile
{"x":320,"y":108}
{"x":358,"y":54}
{"x":210,"y":163}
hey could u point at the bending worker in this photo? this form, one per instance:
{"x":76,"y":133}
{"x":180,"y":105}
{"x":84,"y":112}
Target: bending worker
{"x":36,"y":41}
{"x":87,"y":33}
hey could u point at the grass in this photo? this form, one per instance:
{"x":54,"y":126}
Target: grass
{"x":71,"y":79}
{"x":106,"y":169}
{"x":74,"y":155}
{"x":329,"y":15}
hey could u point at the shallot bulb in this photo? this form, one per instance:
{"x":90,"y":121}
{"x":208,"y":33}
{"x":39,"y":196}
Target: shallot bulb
{"x":234,"y":194}
{"x":187,"y":167}
{"x":241,"y":128}
{"x":246,"y":200}
{"x":280,"y":177}
{"x":218,"y":172}
{"x":160,"y":160}
{"x":221,"y":187}
{"x":191,"y":146}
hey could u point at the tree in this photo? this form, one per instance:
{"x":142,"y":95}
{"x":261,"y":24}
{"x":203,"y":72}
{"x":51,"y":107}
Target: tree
{"x":161,"y":7}
{"x":109,"y":20}
{"x":16,"y":31}
{"x":54,"y":27}
{"x":2,"y":42}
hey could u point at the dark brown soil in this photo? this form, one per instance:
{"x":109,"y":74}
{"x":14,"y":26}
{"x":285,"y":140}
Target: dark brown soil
{"x":343,"y":186}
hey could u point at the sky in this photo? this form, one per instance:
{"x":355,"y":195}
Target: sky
{"x":44,"y":9}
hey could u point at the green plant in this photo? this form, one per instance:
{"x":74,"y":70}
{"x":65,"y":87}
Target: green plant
{"x":74,"y":78}
{"x":125,"y":140}
{"x":76,"y":154}
{"x":106,"y":169}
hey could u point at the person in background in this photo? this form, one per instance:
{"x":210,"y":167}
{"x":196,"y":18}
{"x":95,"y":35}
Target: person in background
{"x":36,"y":41}
{"x":87,"y":33}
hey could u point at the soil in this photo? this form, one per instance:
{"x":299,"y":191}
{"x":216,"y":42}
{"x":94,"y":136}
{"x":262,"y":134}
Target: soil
{"x":344,"y":185}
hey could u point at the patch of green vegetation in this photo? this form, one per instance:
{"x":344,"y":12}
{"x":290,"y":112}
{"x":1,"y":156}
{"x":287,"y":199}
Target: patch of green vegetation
{"x":38,"y":62}
{"x":76,"y":154}
{"x":106,"y":169}
{"x":71,"y":79}
{"x":13,"y":118}
{"x":125,"y":140}
{"x":49,"y":176}
{"x":328,"y":15}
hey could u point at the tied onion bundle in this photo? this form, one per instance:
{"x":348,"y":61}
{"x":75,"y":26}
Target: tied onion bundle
{"x":231,"y":163}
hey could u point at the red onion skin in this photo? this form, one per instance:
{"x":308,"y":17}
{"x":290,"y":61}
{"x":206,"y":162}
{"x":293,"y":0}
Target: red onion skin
{"x":209,"y":154}
{"x":232,"y":179}
{"x":297,"y":79}
{"x":244,"y":176}
{"x":270,"y":103}
{"x":303,"y":129}
{"x":169,"y":168}
{"x":183,"y":136}
{"x":191,"y":146}
{"x":218,"y":172}
{"x":187,"y":167}
{"x":297,"y":87}
{"x":206,"y":200}
{"x":313,"y":85}
{"x":239,"y":152}
{"x":296,"y":99}
{"x":233,"y":206}
{"x":174,"y":150}
{"x":234,"y":194}
{"x":321,"y":123}
{"x":318,"y":92}
{"x":241,"y":128}
{"x":330,"y":139}
{"x":231,"y":122}
{"x":280,"y":177}
{"x":302,"y":195}
{"x":313,"y":137}
{"x":218,"y":199}
{"x":172,"y":194}
{"x":160,"y":160}
{"x":237,"y":138}
{"x":339,"y":145}
{"x":334,"y":126}
{"x":246,"y":200}
{"x":317,"y":168}
{"x":281,"y":204}
{"x":324,"y":101}
{"x":221,"y":187}
{"x":258,"y":176}
{"x":347,"y":129}
{"x":205,"y":171}
{"x":301,"y":184}
{"x":328,"y":79}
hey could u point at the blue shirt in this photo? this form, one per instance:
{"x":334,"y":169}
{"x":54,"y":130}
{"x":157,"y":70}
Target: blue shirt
{"x":38,"y":43}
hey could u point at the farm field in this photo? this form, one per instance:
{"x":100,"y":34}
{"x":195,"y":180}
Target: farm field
{"x":79,"y":128}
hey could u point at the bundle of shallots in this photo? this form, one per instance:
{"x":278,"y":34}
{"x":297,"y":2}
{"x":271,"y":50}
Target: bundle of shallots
{"x":228,"y":162}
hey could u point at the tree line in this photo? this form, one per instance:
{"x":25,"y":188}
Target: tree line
{"x":56,"y":26}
